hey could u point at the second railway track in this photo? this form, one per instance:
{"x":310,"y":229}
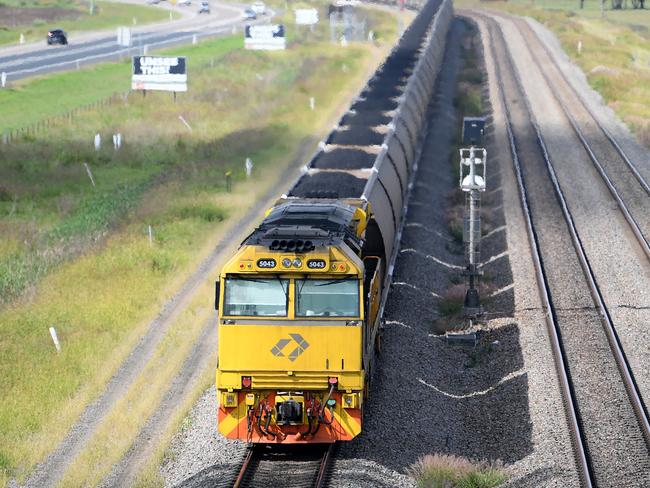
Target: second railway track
{"x":606,"y":414}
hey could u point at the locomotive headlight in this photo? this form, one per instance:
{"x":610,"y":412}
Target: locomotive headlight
{"x":286,"y":262}
{"x":297,"y":263}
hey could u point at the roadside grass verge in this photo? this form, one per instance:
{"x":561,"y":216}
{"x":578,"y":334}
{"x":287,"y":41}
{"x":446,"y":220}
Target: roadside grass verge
{"x":614,"y":54}
{"x":449,"y":471}
{"x":74,"y":17}
{"x":101,"y":295}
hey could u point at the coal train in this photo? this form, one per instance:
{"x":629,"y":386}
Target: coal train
{"x":300,"y":303}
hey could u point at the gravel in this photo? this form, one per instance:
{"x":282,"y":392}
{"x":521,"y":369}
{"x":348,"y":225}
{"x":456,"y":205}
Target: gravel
{"x":620,"y":267}
{"x":199,"y":454}
{"x":616,"y":448}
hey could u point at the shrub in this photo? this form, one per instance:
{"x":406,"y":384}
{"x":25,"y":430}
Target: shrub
{"x":205,"y":212}
{"x":449,"y":471}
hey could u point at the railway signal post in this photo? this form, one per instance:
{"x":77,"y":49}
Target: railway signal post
{"x":472,"y":182}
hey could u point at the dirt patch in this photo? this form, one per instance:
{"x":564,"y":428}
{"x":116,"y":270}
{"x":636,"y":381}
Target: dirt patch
{"x":20,"y":16}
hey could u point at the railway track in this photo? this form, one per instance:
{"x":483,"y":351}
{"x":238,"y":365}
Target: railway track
{"x":304,"y":466}
{"x":606,"y":415}
{"x":626,"y":185}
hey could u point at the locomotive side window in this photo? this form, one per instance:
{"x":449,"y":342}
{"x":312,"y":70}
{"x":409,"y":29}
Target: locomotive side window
{"x":327,"y":298}
{"x":256,"y":297}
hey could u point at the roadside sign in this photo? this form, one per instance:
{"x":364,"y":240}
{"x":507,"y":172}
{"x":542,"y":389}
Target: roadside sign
{"x":159,"y":73}
{"x":306,"y":16}
{"x":269,"y":37}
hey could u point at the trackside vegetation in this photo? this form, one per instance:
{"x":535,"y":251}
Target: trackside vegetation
{"x":78,"y":256}
{"x":449,"y":471}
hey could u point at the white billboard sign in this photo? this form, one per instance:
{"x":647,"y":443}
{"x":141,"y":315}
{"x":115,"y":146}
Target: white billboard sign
{"x":269,"y":37}
{"x":159,"y":73}
{"x":306,"y":16}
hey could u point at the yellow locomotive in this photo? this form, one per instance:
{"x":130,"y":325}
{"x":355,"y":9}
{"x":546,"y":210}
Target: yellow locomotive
{"x":300,"y":303}
{"x":295,"y":327}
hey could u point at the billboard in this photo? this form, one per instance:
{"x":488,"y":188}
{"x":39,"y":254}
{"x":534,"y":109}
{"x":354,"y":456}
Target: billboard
{"x":306,"y":16}
{"x":159,"y":73}
{"x":270,"y":37}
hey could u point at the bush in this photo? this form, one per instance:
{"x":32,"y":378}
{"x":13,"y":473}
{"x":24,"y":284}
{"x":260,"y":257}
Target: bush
{"x":449,"y":471}
{"x":205,"y":212}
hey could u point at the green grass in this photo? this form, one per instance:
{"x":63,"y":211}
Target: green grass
{"x":104,"y":281}
{"x":449,"y":471}
{"x":75,"y":17}
{"x":615,"y":53}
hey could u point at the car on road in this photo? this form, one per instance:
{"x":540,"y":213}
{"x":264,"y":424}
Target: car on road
{"x":184,"y":3}
{"x":153,"y":2}
{"x":57,"y":36}
{"x":249,"y":14}
{"x":205,"y":7}
{"x":259,"y":8}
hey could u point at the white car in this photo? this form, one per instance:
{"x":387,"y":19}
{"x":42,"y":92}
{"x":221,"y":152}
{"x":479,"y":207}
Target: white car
{"x":184,"y":2}
{"x":259,"y":8}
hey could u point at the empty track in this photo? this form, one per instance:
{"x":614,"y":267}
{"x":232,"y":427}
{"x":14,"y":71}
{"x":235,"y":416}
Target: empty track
{"x":605,"y":413}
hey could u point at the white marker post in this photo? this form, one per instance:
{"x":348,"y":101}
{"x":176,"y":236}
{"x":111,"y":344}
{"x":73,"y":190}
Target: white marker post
{"x":98,"y":142}
{"x":22,"y":39}
{"x":312,"y":103}
{"x":119,"y":140}
{"x":579,"y":47}
{"x":90,"y":174}
{"x":3,"y":79}
{"x":194,"y":39}
{"x":180,"y":117}
{"x":150,"y":236}
{"x":249,"y":167}
{"x":55,"y":339}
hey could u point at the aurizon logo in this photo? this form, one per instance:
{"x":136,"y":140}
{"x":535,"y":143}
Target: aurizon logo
{"x":302,"y":344}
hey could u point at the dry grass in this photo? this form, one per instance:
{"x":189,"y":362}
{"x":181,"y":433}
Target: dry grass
{"x":450,"y":471}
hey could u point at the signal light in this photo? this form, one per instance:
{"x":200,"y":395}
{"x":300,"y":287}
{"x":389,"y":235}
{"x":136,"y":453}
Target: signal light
{"x":333,"y":380}
{"x":246,"y":381}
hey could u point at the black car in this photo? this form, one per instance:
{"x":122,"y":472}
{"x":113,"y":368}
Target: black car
{"x":57,"y":36}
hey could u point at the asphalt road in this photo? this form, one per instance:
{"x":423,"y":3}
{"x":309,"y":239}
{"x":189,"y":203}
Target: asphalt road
{"x":102,"y":47}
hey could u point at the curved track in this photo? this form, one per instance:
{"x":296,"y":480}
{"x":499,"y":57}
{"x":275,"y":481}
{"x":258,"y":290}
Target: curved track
{"x":601,"y":398}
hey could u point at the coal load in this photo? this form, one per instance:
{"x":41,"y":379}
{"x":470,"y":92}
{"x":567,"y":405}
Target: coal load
{"x":356,"y":136}
{"x":344,"y":159}
{"x":329,"y":185}
{"x":375,"y":104}
{"x":369,"y":118}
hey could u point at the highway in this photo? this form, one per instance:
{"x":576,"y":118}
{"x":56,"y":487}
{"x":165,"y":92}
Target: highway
{"x":39,"y":58}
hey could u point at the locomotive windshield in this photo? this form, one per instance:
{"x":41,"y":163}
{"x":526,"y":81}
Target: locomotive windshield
{"x":255,"y":296}
{"x":327,"y":298}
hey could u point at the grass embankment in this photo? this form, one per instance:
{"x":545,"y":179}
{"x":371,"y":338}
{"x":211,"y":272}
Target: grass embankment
{"x":34,"y":18}
{"x":615,"y":54}
{"x":101,"y":280}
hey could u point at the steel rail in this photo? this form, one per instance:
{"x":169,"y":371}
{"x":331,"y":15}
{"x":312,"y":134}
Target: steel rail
{"x":321,"y":478}
{"x":616,"y":347}
{"x":594,"y":159}
{"x":604,"y":130}
{"x":255,"y":452}
{"x":561,"y":363}
{"x":246,"y":464}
